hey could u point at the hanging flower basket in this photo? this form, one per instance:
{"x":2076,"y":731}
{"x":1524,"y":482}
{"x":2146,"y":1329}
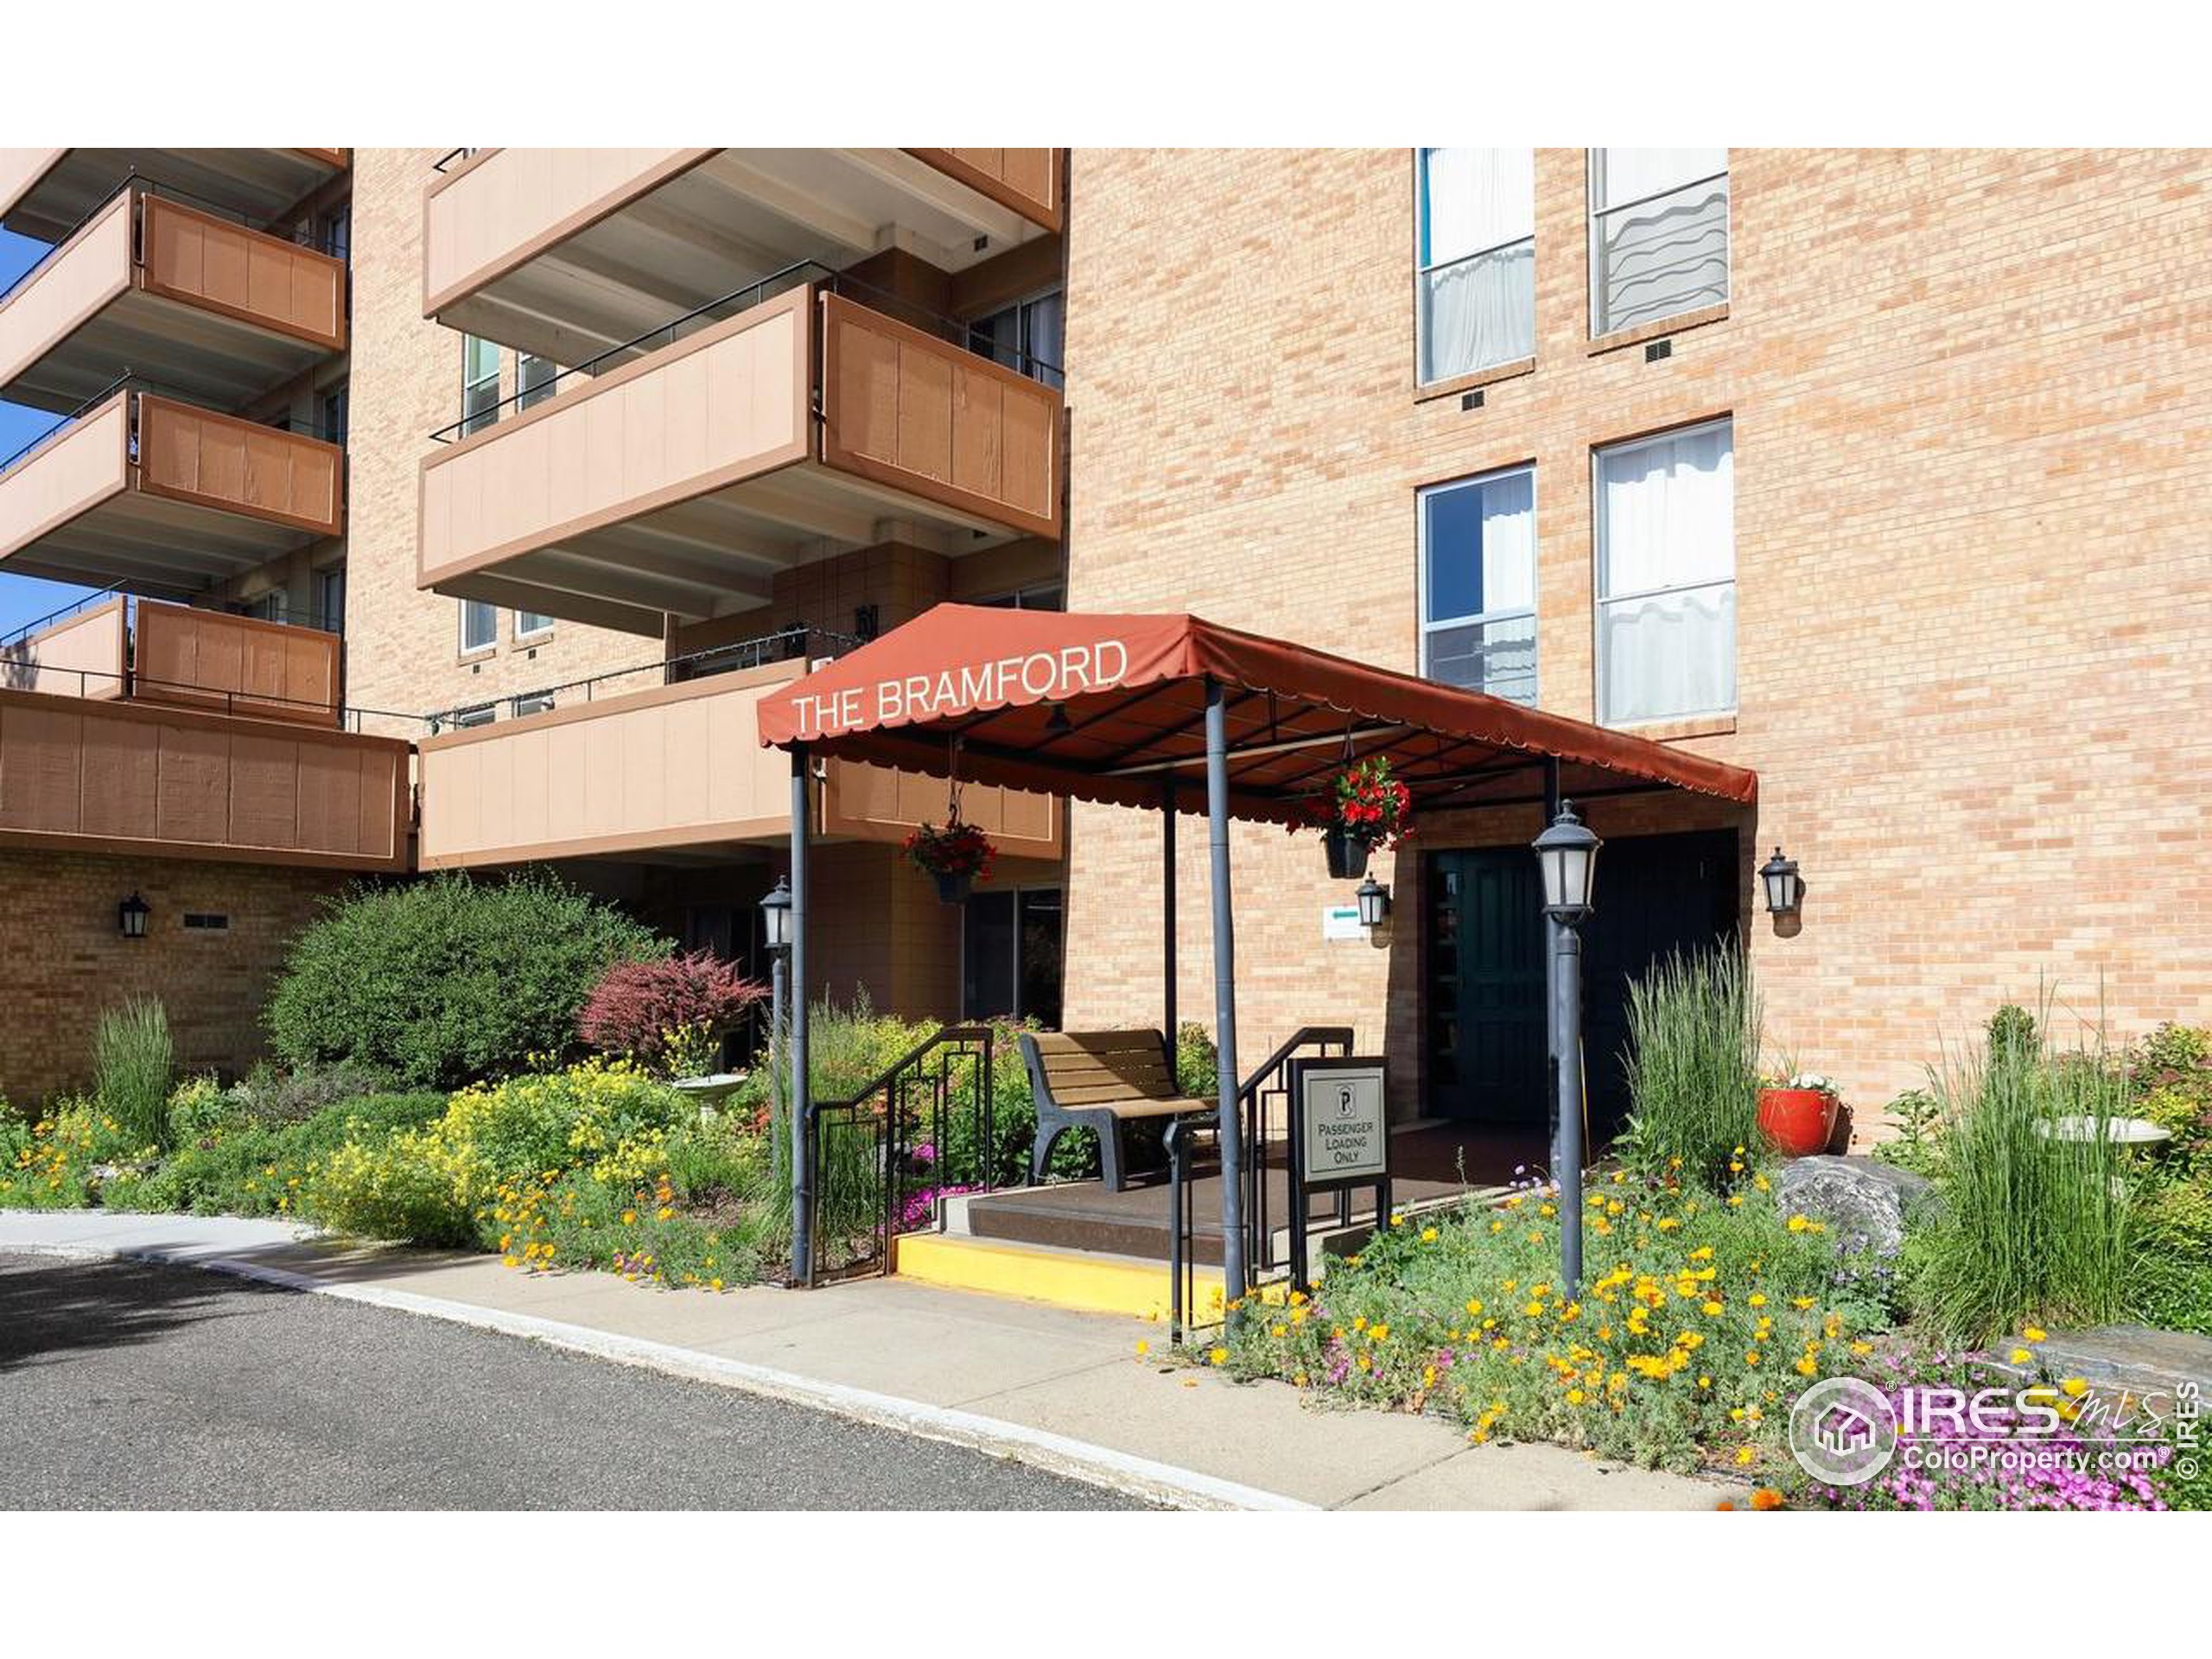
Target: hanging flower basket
{"x":1362,"y":806}
{"x":956,"y":856}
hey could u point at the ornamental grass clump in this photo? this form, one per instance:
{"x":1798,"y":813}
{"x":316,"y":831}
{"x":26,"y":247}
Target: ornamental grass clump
{"x":2036,"y":1212}
{"x":1694,"y":1066}
{"x":134,"y":1061}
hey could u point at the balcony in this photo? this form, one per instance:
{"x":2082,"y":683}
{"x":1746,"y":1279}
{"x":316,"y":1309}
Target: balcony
{"x":47,"y":193}
{"x":165,"y":497}
{"x":673,"y":772}
{"x":779,"y":426}
{"x":151,"y":286}
{"x":565,"y":252}
{"x":145,"y":651}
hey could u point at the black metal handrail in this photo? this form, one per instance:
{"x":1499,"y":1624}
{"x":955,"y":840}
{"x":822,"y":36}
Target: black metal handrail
{"x":805,"y":273}
{"x":452,"y":155}
{"x":1269,"y":1081}
{"x":800,"y":639}
{"x":866,"y":1165}
{"x":148,"y":185}
{"x":15,"y":672}
{"x":132,"y":380}
{"x":62,"y":423}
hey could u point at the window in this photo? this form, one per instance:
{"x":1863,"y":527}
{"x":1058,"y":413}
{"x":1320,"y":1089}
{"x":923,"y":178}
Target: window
{"x":1036,"y":596}
{"x":1477,"y":259}
{"x":1010,"y":956}
{"x":334,"y":408}
{"x":479,"y":715}
{"x":1479,"y":584}
{"x":533,"y":379}
{"x":267,"y":607}
{"x":330,"y":598}
{"x":338,"y":233}
{"x":479,"y":625}
{"x":480,"y":384}
{"x":1027,"y":338}
{"x":532,"y":703}
{"x":1666,"y":513}
{"x":531,"y":624}
{"x":1658,"y":234}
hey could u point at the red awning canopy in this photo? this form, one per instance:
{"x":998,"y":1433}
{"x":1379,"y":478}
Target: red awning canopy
{"x":1106,"y":707}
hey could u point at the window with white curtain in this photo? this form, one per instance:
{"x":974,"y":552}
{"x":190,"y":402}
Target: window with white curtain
{"x":480,"y":384}
{"x":479,"y":625}
{"x":1658,"y":235}
{"x":534,"y":377}
{"x":1666,"y":514}
{"x":1479,"y":584}
{"x":530,"y":624}
{"x":1476,"y":302}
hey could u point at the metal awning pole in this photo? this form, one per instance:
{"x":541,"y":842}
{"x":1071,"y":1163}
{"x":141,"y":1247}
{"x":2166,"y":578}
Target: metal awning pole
{"x":1167,"y":912}
{"x":1224,"y":995}
{"x":802,"y":1078}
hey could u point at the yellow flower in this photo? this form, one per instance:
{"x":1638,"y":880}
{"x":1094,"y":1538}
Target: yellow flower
{"x":1474,"y":1305}
{"x":1801,"y":1303}
{"x":1746,"y":1455}
{"x":1143,"y":1348}
{"x":2032,"y":1334}
{"x":1806,"y":1367}
{"x":2021,"y":1356}
{"x":1574,"y":1396}
{"x":1703,"y":1252}
{"x":1798,"y":1223}
{"x":1752,"y":1357}
{"x":1428,"y":1234}
{"x":629,"y":1216}
{"x":2075,"y":1386}
{"x":716,"y":1284}
{"x":1712,"y":1310}
{"x":1378,"y":1333}
{"x":1755,"y":1300}
{"x":1218,"y":1356}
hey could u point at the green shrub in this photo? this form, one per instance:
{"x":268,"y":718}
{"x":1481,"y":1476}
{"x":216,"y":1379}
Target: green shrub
{"x":198,"y":1108}
{"x":412,"y":1187}
{"x":2034,"y":1224}
{"x":275,"y":1096}
{"x":239,"y":1167}
{"x":599,"y":1113}
{"x":1918,"y":1145}
{"x":133,"y":1061}
{"x":1197,"y":1063}
{"x":1693,"y":1065}
{"x":447,"y":980}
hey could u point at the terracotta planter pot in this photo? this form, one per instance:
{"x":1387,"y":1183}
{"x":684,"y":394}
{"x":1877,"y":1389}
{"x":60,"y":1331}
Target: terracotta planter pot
{"x":1797,"y":1122}
{"x":1347,"y":854}
{"x":954,"y":889}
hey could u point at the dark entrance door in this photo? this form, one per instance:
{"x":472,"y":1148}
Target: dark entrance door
{"x":1486,"y":1014}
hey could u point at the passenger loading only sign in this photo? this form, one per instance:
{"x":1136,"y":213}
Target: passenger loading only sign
{"x":1039,"y":676}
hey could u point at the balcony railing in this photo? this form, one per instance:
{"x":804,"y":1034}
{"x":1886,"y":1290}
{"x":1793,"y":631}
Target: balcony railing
{"x":562,"y":252}
{"x":172,"y":292}
{"x":680,"y":471}
{"x":679,"y":765}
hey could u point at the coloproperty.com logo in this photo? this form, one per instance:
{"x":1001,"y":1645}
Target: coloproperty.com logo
{"x":1846,"y":1431}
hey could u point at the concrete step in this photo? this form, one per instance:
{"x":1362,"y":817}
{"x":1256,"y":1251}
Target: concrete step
{"x":1086,"y":1281}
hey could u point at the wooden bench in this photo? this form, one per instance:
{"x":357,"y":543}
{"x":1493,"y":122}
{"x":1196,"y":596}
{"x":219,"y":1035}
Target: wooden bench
{"x":1101,"y":1080}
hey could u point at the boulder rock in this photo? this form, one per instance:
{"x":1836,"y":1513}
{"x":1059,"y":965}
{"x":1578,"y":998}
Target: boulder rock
{"x":1864,"y":1201}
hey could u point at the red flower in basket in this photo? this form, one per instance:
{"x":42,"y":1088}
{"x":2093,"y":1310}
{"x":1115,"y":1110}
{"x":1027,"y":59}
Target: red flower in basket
{"x":1364,"y":801}
{"x":959,"y":855}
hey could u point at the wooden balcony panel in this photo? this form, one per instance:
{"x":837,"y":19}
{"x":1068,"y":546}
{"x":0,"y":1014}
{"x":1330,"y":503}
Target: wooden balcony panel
{"x":88,"y":776}
{"x":237,"y":665}
{"x":83,"y":656}
{"x":46,"y":193}
{"x":1027,"y":181}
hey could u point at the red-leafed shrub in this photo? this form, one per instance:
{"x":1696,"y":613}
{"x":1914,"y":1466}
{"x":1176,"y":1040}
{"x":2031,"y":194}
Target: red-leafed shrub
{"x":668,"y":1016}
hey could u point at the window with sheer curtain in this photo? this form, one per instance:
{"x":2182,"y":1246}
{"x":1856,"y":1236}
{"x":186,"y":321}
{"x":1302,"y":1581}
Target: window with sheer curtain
{"x":1666,"y":513}
{"x":479,"y":625}
{"x":1477,"y":260}
{"x":1479,"y":584}
{"x":1658,"y":235}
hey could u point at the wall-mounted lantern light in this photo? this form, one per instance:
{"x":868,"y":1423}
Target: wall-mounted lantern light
{"x":1374,"y":904}
{"x":131,"y":917}
{"x":1784,"y":887}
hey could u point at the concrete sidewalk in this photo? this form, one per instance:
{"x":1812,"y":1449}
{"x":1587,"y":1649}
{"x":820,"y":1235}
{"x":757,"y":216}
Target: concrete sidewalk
{"x":1064,"y":1391}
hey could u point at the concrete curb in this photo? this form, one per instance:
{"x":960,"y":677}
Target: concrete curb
{"x":1122,"y":1471}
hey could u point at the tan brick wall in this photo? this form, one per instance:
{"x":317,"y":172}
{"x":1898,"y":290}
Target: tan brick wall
{"x":403,"y":644}
{"x":1971,"y":403}
{"x":63,"y":960}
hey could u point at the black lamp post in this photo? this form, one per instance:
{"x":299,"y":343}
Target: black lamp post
{"x":131,"y":917}
{"x":1567,"y":852}
{"x":1374,"y":904}
{"x":775,"y":933}
{"x":1784,"y":887}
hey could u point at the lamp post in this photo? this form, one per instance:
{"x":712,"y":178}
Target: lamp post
{"x":776,"y":932}
{"x":1567,"y":852}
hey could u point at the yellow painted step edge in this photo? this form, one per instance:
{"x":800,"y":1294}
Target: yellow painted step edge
{"x":1064,"y":1278}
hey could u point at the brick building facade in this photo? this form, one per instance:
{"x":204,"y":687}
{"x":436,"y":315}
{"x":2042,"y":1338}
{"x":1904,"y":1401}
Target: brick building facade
{"x":1970,"y":572}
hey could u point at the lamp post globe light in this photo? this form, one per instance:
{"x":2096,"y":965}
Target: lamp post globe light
{"x":776,"y":934}
{"x":1567,"y":852}
{"x":1784,"y":887}
{"x":776,"y":915}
